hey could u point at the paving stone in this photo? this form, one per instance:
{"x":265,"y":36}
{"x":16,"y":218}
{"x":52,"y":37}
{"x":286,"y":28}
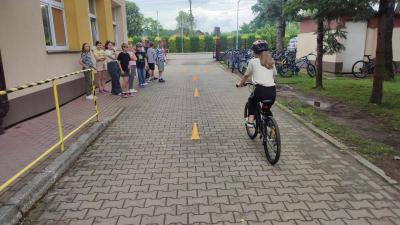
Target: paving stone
{"x":152,"y":173}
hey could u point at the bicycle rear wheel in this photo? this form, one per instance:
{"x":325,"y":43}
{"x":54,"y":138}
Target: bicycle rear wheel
{"x":311,"y":71}
{"x":271,"y":140}
{"x":252,"y":132}
{"x":360,"y":69}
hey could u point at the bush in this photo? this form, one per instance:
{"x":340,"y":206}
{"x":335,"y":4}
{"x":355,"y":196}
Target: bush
{"x":202,"y":43}
{"x":194,"y":43}
{"x":172,"y":46}
{"x":186,"y":44}
{"x":209,"y":44}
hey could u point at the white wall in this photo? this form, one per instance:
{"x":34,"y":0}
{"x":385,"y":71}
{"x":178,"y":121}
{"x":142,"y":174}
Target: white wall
{"x":23,"y":47}
{"x":355,"y":44}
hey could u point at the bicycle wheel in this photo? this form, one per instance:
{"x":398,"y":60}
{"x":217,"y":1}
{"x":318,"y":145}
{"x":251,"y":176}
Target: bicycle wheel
{"x":360,"y":69}
{"x":271,"y":140}
{"x":243,"y":67}
{"x":252,"y":132}
{"x":285,"y":70}
{"x":311,"y":71}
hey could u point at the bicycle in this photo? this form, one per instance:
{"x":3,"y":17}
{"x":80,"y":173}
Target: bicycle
{"x":266,"y":126}
{"x":294,"y":67}
{"x":362,"y":68}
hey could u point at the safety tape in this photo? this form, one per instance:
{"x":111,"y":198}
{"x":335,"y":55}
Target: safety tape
{"x":38,"y":83}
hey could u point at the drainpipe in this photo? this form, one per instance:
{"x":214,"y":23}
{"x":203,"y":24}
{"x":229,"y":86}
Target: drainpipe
{"x":3,"y":99}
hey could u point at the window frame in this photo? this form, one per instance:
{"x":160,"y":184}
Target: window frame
{"x":60,"y":6}
{"x":93,"y":16}
{"x":114,"y":23}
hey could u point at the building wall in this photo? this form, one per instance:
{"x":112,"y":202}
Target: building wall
{"x":26,"y":58}
{"x":361,"y":40}
{"x":355,"y":47}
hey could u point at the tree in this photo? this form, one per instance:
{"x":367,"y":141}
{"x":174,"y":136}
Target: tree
{"x":247,"y":28}
{"x":323,"y":12}
{"x":384,"y":54}
{"x":270,"y":12}
{"x":149,"y":26}
{"x":134,"y":19}
{"x":184,"y":20}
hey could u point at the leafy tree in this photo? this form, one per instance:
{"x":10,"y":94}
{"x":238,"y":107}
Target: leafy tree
{"x":134,"y":19}
{"x":270,"y":12}
{"x":150,"y":26}
{"x":384,"y":49}
{"x":247,"y":28}
{"x":183,"y":20}
{"x":323,"y":12}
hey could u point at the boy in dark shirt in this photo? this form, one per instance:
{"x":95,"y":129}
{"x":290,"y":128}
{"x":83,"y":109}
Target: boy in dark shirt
{"x":123,"y":59}
{"x":140,"y":64}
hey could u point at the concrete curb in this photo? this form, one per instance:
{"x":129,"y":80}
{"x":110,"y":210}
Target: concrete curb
{"x":343,"y":148}
{"x":22,"y":201}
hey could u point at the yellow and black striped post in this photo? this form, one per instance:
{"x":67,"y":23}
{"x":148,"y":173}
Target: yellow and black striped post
{"x":96,"y":107}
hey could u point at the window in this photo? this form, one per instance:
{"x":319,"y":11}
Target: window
{"x":93,"y":21}
{"x":54,"y":24}
{"x":115,"y":27}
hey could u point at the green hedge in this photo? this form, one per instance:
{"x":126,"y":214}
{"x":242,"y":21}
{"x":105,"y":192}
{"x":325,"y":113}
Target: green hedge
{"x":205,"y":43}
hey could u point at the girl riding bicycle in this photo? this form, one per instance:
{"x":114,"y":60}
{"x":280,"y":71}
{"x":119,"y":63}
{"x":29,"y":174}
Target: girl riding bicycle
{"x":262,"y":71}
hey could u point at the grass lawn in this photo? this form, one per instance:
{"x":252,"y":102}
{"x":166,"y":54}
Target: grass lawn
{"x":354,"y":92}
{"x":372,"y":150}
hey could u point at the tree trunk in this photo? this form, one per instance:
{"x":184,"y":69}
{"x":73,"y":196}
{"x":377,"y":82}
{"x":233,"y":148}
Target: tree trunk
{"x":389,"y":75}
{"x":280,"y":33}
{"x":320,"y":53}
{"x":380,"y":66}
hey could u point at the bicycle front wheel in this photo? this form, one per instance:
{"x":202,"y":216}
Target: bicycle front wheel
{"x":251,"y":131}
{"x":271,"y":140}
{"x":285,"y":70}
{"x":243,"y":67}
{"x":360,"y":69}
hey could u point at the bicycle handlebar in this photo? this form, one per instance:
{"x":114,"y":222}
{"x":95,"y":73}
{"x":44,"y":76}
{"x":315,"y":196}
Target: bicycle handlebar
{"x":245,"y":84}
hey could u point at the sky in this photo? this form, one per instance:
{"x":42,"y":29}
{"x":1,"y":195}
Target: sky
{"x":207,"y":13}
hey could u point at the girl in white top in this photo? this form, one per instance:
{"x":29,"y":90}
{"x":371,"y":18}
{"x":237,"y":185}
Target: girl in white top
{"x":262,"y":70}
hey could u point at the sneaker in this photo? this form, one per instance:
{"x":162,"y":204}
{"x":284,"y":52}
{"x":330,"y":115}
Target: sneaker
{"x":161,"y":80}
{"x":155,"y":78}
{"x":250,"y":125}
{"x":132,"y":91}
{"x":145,"y":84}
{"x":89,"y":97}
{"x":119,"y":94}
{"x":105,"y":91}
{"x":124,"y":95}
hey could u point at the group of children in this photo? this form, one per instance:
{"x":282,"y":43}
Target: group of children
{"x":139,"y":60}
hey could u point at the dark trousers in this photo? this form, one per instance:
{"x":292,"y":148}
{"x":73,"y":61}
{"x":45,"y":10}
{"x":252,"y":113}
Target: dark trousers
{"x":88,"y":82}
{"x":261,"y":93}
{"x":115,"y":73}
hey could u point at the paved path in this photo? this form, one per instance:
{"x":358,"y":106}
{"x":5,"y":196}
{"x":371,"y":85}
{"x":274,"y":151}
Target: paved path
{"x":26,"y":141}
{"x":144,"y":169}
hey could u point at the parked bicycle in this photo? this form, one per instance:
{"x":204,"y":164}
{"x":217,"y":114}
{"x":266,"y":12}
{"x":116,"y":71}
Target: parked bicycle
{"x":362,"y":68}
{"x":266,"y":126}
{"x":293,"y":67}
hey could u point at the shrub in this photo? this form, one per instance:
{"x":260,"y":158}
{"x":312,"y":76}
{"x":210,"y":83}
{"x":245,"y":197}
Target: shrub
{"x":194,"y":43}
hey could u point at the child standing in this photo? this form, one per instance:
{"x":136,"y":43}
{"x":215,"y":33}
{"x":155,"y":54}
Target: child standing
{"x":100,"y":56}
{"x":140,"y":64}
{"x":113,"y":68}
{"x":124,"y":59}
{"x":132,"y":68}
{"x":160,"y":61}
{"x":86,"y":62}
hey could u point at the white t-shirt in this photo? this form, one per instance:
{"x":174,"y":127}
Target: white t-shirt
{"x":259,"y":74}
{"x":109,"y":56}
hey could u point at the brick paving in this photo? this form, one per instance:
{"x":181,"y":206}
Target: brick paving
{"x":25,"y":141}
{"x":144,"y":169}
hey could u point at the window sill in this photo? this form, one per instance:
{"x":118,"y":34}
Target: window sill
{"x":62,"y":51}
